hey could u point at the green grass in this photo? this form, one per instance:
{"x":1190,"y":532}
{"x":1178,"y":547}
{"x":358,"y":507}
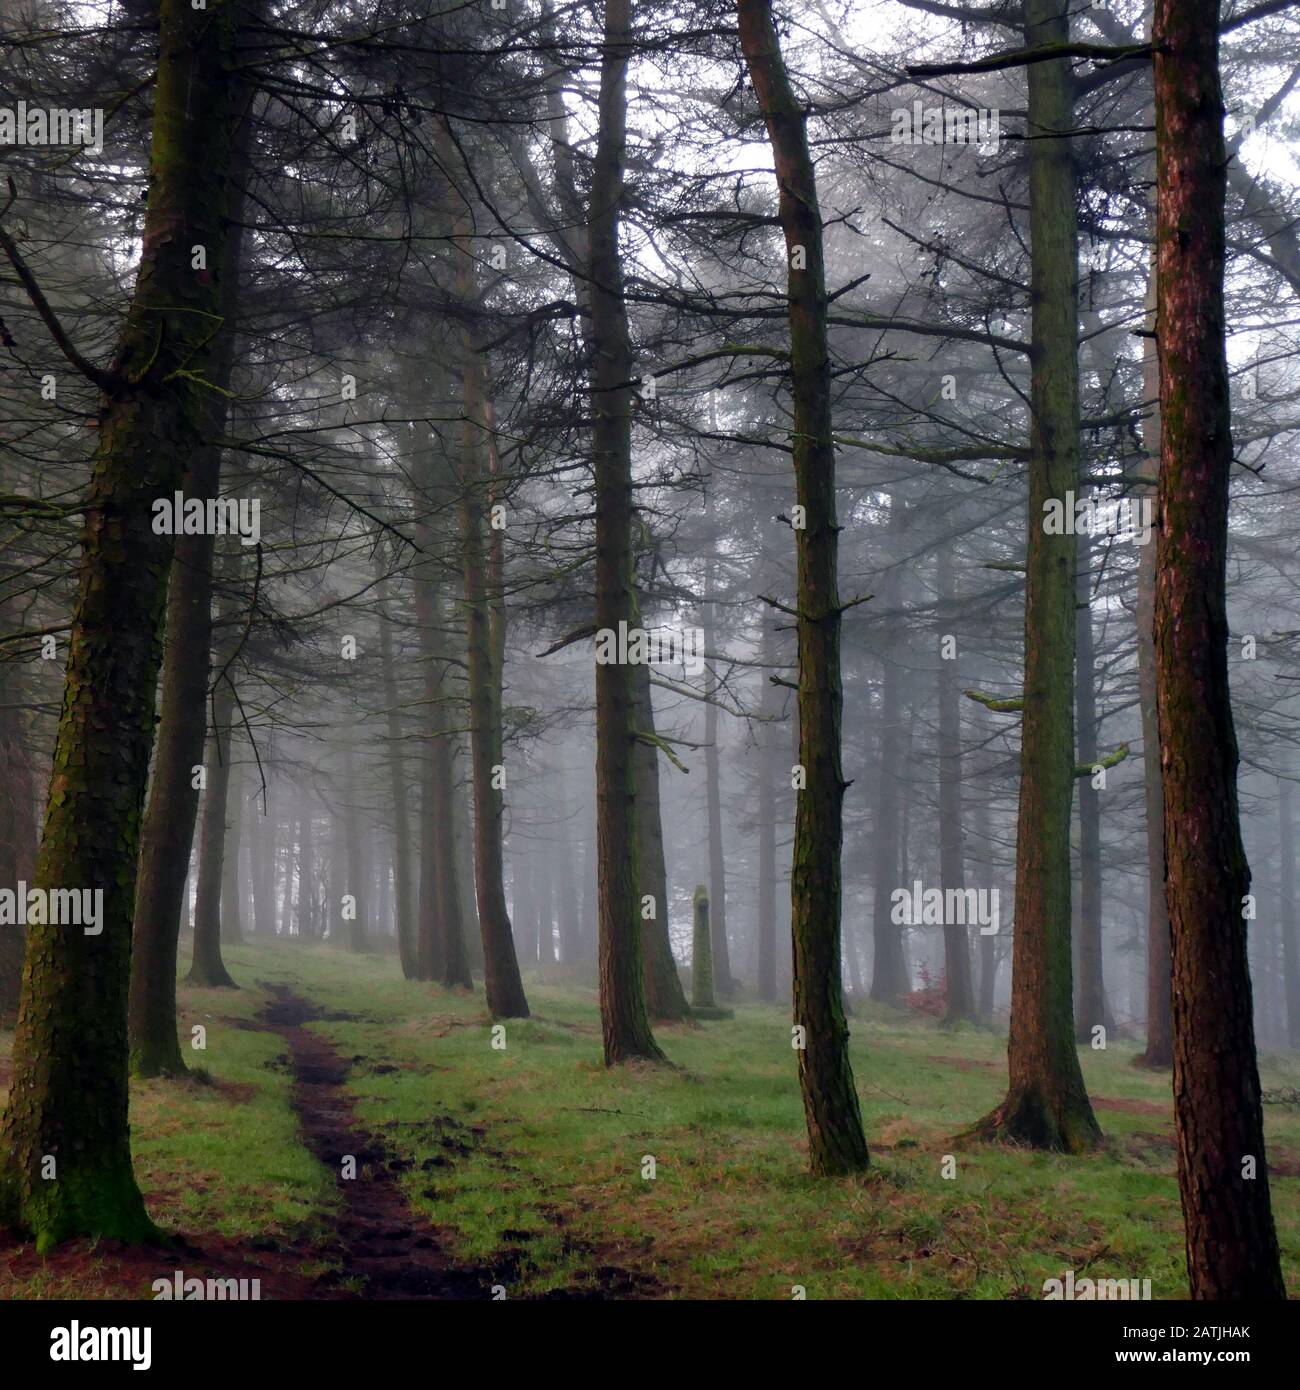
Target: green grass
{"x":223,"y":1146}
{"x":532,"y":1157}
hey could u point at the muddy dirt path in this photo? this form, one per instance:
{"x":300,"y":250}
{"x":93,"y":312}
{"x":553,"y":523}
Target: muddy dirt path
{"x":379,"y":1242}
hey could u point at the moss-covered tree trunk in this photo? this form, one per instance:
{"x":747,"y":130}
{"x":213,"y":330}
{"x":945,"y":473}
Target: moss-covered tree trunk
{"x":263,"y":834}
{"x":232,"y":886}
{"x":288,"y":923}
{"x":357,"y":871}
{"x":625,"y":1023}
{"x":428,"y":937}
{"x":17,"y":806}
{"x":1159,"y":1051}
{"x":167,"y":834}
{"x":452,"y":956}
{"x":952,"y":851}
{"x":462,"y":814}
{"x":988,"y":957}
{"x":1232,"y":1250}
{"x":306,"y":901}
{"x":207,"y":968}
{"x":524,"y":907}
{"x":769,"y":739}
{"x":399,"y":786}
{"x":485,"y":619}
{"x":722,"y":976}
{"x":566,"y":901}
{"x":889,"y":974}
{"x":1047,"y":1104}
{"x":18,"y":782}
{"x":545,"y":911}
{"x":68,"y":1095}
{"x":836,"y":1142}
{"x":890,"y":980}
{"x":451,"y":916}
{"x":441,"y":929}
{"x":1093,"y":1009}
{"x":1288,"y":921}
{"x":588,"y":931}
{"x":335,"y":875}
{"x":665,"y":997}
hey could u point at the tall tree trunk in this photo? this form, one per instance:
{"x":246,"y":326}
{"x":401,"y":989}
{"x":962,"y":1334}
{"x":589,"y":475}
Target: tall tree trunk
{"x":451,"y":915}
{"x":167,"y":832}
{"x":1288,"y":922}
{"x":857,"y":967}
{"x":722,"y":977}
{"x":1093,"y":1009}
{"x":988,"y":978}
{"x":546,"y":910}
{"x":625,"y":1024}
{"x":1047,"y":1104}
{"x":525,"y":906}
{"x":1232,"y":1250}
{"x":836,"y":1143}
{"x":357,"y":873}
{"x":485,"y":642}
{"x":952,"y":851}
{"x":435,"y":794}
{"x":566,"y":907}
{"x":306,"y":874}
{"x":336,"y":876}
{"x":441,"y":918}
{"x":889,"y":974}
{"x":665,"y":997}
{"x":383,"y":880}
{"x":588,"y":930}
{"x":17,"y":813}
{"x":462,"y":829}
{"x":207,"y":969}
{"x":1159,"y":1052}
{"x":262,"y":849}
{"x":785,"y":821}
{"x":232,"y":884}
{"x":284,"y":900}
{"x":768,"y":771}
{"x":496,"y":564}
{"x":428,"y":936}
{"x":68,"y":1096}
{"x":399,"y":788}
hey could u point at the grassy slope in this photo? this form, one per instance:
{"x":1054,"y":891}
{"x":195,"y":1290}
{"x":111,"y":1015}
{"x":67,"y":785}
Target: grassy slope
{"x":539,"y":1150}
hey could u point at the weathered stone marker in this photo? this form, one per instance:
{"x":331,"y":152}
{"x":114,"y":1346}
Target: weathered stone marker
{"x":702,"y":1005}
{"x":702,"y":959}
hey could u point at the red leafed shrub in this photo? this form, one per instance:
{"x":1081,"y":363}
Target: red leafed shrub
{"x":931,"y":1000}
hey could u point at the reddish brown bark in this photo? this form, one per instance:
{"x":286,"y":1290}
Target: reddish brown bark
{"x":1232,"y":1250}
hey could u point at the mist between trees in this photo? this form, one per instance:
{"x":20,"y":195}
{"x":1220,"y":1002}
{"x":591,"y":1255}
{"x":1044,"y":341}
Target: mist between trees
{"x":472,"y":476}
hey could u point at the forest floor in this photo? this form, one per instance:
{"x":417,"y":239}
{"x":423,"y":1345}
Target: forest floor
{"x":524,"y":1168}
